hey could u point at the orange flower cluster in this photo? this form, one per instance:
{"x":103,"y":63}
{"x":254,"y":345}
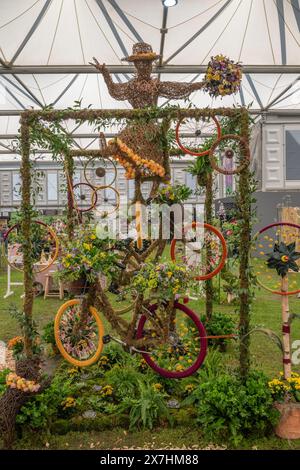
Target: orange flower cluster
{"x":14,"y":341}
{"x":138,"y":161}
{"x":130,"y":171}
{"x":15,"y":381}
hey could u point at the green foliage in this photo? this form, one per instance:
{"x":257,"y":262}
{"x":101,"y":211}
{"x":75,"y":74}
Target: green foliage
{"x":124,"y":381}
{"x":230,"y":280}
{"x":228,"y":408}
{"x":147,"y":409}
{"x":115,"y":355}
{"x":48,"y":333}
{"x":29,"y":329}
{"x":173,"y":194}
{"x":200,"y":168}
{"x":3,"y":374}
{"x":40,"y":410}
{"x":219,"y":324}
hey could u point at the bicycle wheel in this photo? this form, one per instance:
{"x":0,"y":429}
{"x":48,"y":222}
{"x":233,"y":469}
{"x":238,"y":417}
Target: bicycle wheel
{"x":229,"y":154}
{"x":192,"y":134}
{"x":269,"y":241}
{"x":184,"y":351}
{"x":43,"y":239}
{"x":84,"y":347}
{"x":203,"y":249}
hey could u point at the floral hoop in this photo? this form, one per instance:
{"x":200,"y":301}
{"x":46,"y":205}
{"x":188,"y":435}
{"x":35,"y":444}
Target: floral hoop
{"x":263,"y":230}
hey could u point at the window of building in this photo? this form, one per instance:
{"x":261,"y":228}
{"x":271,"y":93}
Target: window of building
{"x":292,"y":141}
{"x":191,"y":181}
{"x":16,"y":187}
{"x":52,"y":186}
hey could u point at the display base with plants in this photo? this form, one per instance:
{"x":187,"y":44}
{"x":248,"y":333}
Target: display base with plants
{"x":120,"y":391}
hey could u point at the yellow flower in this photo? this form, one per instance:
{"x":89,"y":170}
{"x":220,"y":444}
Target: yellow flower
{"x":107,"y":390}
{"x":189,"y":388}
{"x":157,"y":387}
{"x":87,"y":246}
{"x":69,"y":402}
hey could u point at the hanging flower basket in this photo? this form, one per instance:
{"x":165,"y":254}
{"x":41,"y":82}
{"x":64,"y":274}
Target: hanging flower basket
{"x":77,"y":287}
{"x":289,"y":424}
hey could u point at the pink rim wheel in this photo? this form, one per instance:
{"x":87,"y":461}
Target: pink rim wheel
{"x":201,"y":342}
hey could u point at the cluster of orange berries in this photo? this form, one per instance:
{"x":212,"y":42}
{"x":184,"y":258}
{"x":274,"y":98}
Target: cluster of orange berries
{"x":15,"y":381}
{"x":154,"y":167}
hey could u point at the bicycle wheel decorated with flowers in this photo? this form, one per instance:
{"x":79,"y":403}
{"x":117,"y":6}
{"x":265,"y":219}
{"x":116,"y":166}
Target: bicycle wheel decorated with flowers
{"x":184,"y":346}
{"x":78,"y":334}
{"x":202,"y":249}
{"x":170,"y":334}
{"x":276,"y":255}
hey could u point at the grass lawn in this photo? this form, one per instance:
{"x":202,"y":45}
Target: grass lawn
{"x":162,"y":438}
{"x":265,"y":355}
{"x":266,"y":313}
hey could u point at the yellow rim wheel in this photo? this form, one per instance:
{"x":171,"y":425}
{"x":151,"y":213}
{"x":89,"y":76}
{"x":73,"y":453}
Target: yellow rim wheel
{"x":76,"y":362}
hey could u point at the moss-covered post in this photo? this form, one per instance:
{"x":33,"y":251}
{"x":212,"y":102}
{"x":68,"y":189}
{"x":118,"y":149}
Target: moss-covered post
{"x":208,"y":207}
{"x":244,"y":197}
{"x":26,"y":211}
{"x":69,"y":168}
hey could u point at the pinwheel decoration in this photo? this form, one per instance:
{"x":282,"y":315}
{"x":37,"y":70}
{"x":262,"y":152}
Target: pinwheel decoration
{"x":283,"y":258}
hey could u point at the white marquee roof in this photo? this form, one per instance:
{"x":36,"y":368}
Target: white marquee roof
{"x":46,"y":46}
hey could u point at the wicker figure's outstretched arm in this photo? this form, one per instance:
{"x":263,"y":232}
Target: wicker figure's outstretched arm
{"x":176,"y":90}
{"x":116,"y":90}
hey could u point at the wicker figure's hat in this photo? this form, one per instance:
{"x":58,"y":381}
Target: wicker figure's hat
{"x":142,"y":51}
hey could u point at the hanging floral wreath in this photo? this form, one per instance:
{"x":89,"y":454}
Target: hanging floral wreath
{"x":223,"y":76}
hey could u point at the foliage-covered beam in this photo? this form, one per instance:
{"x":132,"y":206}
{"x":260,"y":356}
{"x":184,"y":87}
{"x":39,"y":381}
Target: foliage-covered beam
{"x":117,"y":114}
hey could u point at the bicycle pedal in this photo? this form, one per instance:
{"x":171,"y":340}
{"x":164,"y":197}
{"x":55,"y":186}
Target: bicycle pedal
{"x":106,"y":339}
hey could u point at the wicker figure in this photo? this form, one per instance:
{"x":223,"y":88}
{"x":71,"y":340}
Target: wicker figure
{"x":139,"y":147}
